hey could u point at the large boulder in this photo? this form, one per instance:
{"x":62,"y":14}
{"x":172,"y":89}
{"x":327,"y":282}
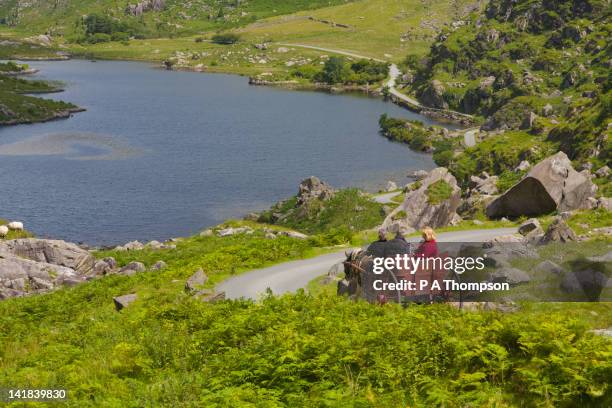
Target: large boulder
{"x":551,"y":185}
{"x":432,"y":202}
{"x":53,"y":252}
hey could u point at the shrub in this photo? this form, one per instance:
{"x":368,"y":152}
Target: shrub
{"x":98,"y":38}
{"x":225,"y":38}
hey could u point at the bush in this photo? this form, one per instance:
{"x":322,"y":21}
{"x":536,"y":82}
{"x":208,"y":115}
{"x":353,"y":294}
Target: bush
{"x":225,"y":38}
{"x":120,"y":36}
{"x":199,"y":39}
{"x":98,"y":38}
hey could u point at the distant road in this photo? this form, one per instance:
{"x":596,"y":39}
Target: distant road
{"x":291,"y":276}
{"x":386,"y":198}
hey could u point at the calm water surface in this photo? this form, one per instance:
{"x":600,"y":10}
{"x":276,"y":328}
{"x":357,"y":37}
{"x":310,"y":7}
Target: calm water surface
{"x":161,"y":154}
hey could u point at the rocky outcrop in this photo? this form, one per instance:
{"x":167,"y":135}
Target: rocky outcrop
{"x":38,"y":265}
{"x":313,"y":189}
{"x":138,"y":9}
{"x":419,"y":207}
{"x":433,"y":95}
{"x":551,"y":185}
{"x":54,"y":252}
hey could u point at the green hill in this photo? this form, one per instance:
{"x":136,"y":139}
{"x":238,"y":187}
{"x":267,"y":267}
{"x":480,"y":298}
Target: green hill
{"x":154,"y":17}
{"x":538,"y":72}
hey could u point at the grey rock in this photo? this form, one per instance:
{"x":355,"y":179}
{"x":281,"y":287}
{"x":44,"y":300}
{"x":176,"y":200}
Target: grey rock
{"x":101,"y":267}
{"x":551,"y":185}
{"x":293,"y":234}
{"x":121,"y":302}
{"x":53,"y":252}
{"x":207,"y":233}
{"x":270,"y":235}
{"x":132,"y":268}
{"x":549,"y":268}
{"x":513,"y":276}
{"x":215,"y":297}
{"x":523,"y":166}
{"x":529,"y":225}
{"x":603,"y":172}
{"x":159,"y":265}
{"x":529,"y":120}
{"x":484,"y":184}
{"x":547,"y":110}
{"x":391,"y":186}
{"x":226,"y":232}
{"x":558,"y":231}
{"x":420,"y":212}
{"x":312,"y":188}
{"x":196,"y":280}
{"x":419,"y":174}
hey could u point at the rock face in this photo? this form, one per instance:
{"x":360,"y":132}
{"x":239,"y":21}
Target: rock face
{"x":312,"y":188}
{"x":551,"y":185}
{"x":38,"y":265}
{"x":52,"y":252}
{"x":146,"y":5}
{"x":419,"y":209}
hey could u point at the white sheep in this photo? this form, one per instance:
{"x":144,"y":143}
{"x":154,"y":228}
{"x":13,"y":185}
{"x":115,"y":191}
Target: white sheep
{"x":3,"y":231}
{"x":15,"y":226}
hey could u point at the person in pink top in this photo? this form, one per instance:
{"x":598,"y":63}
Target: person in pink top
{"x":429,"y":247}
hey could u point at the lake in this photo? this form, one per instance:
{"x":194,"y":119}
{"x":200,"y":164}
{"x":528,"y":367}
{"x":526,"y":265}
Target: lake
{"x":160,"y":154}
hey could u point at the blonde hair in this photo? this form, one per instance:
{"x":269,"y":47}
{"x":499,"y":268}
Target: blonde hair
{"x":428,"y":234}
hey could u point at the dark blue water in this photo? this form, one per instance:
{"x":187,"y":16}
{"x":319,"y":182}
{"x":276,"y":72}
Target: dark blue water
{"x":161,"y":154}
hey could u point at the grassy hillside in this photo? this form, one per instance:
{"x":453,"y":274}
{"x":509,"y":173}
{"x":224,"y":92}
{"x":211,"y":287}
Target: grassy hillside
{"x":168,"y":349}
{"x":175,"y":18}
{"x":538,"y":75}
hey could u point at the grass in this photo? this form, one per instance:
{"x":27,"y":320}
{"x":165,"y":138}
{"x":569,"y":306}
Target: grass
{"x":169,"y":350}
{"x":438,"y":192}
{"x":222,"y":257}
{"x":347,"y":212}
{"x":15,"y":234}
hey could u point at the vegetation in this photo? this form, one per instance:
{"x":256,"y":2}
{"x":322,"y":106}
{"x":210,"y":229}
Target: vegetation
{"x":225,"y":38}
{"x":411,"y":132}
{"x":538,"y":77}
{"x":438,"y":192}
{"x":18,"y":108}
{"x":347,"y":212}
{"x":168,"y":349}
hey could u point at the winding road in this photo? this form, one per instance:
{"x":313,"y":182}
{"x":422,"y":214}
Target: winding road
{"x":291,"y":276}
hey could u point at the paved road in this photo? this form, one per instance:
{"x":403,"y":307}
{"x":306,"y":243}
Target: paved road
{"x":470,"y":137}
{"x":386,"y":198}
{"x":394,"y":72}
{"x":290,"y":276}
